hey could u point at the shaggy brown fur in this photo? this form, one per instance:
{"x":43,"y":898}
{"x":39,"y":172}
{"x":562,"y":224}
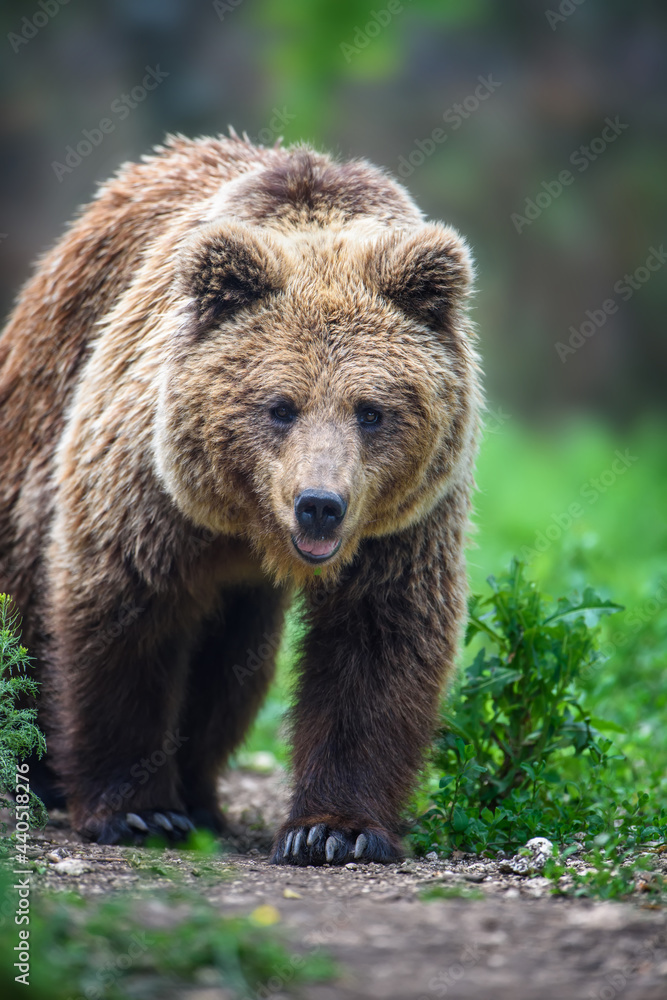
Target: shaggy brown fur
{"x":224,"y":330}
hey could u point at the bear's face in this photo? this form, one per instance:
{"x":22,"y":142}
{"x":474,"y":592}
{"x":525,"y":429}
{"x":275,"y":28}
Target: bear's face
{"x":322,"y":389}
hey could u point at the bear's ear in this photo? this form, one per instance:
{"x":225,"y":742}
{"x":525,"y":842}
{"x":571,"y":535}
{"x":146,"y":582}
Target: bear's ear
{"x":229,"y":266}
{"x":428,"y":273}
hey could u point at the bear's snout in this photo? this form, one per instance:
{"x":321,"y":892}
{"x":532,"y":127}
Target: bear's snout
{"x":318,"y":514}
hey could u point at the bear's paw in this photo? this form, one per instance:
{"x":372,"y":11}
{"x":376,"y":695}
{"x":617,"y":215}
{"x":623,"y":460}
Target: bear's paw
{"x":334,"y":844}
{"x":136,"y":827}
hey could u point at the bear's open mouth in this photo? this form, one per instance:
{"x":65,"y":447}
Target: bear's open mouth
{"x":316,"y":550}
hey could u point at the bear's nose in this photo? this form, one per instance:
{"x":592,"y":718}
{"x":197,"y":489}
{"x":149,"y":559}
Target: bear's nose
{"x":319,"y":512}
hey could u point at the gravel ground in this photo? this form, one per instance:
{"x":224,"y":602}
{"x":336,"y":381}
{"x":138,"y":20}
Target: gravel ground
{"x":500,"y":935}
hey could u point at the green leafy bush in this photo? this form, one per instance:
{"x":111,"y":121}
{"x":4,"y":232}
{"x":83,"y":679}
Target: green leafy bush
{"x":19,"y":734}
{"x":518,"y":754}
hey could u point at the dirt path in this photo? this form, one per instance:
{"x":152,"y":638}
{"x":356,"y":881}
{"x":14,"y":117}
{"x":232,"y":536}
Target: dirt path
{"x":515,"y":942}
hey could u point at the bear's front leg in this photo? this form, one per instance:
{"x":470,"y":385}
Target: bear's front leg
{"x":380,"y":645}
{"x":116,"y":673}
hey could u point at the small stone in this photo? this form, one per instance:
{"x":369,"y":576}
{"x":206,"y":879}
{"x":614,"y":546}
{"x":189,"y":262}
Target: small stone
{"x":432,"y":856}
{"x":521,"y":864}
{"x":72,"y":866}
{"x":290,"y":894}
{"x":540,"y":845}
{"x":540,"y":849}
{"x":56,"y":856}
{"x":474,"y":877}
{"x":351,"y":867}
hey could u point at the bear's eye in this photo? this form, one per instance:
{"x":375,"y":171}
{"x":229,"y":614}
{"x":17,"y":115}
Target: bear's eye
{"x":368,"y":417}
{"x":283,"y":413}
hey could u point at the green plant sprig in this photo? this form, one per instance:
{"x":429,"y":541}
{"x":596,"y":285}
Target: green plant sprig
{"x":20,"y":736}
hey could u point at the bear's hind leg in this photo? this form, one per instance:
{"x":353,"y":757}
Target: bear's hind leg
{"x":230,"y":672}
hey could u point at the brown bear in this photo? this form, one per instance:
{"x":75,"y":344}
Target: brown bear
{"x":243,"y":373}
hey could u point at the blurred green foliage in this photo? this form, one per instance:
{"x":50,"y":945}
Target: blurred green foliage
{"x":124,"y":948}
{"x":618,"y":545}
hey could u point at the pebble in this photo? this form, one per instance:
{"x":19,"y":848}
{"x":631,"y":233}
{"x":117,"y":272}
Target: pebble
{"x":72,"y":866}
{"x":56,"y":856}
{"x":521,"y":864}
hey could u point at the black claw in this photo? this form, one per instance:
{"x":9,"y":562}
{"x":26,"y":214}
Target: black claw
{"x":163,"y":822}
{"x":316,"y":834}
{"x":336,"y":848}
{"x":180,"y":822}
{"x":360,"y":845}
{"x":317,"y":838}
{"x":136,"y":822}
{"x":299,"y":845}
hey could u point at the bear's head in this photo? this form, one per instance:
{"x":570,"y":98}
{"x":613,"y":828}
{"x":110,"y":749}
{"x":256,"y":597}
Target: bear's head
{"x":322,"y":387}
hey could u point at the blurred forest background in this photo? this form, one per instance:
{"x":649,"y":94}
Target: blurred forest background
{"x":571,"y":317}
{"x":313,"y":70}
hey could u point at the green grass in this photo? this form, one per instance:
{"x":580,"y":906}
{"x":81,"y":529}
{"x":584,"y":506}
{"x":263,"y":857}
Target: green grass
{"x":123,"y":948}
{"x":450,"y":892}
{"x":619,"y":541}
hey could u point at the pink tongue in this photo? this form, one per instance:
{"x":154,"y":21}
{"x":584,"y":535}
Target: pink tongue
{"x":323,"y":548}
